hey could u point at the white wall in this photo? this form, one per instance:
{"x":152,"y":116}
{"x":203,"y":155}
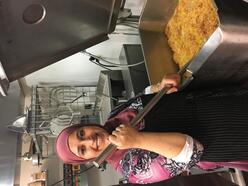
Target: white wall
{"x":78,"y":68}
{"x":9,"y":110}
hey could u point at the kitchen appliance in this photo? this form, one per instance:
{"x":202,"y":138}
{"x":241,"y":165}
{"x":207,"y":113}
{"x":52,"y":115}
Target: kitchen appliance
{"x":135,"y":77}
{"x":36,"y":33}
{"x":224,"y":62}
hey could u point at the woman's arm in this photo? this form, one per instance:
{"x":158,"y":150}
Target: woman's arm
{"x":167,"y":144}
{"x":178,"y":153}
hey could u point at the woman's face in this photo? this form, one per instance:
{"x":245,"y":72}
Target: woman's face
{"x":88,"y":142}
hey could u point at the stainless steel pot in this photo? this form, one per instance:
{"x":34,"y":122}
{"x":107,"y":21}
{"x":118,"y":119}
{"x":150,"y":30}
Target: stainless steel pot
{"x":226,"y":64}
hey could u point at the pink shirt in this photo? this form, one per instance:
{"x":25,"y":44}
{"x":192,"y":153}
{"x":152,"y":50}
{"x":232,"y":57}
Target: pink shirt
{"x":141,"y":166}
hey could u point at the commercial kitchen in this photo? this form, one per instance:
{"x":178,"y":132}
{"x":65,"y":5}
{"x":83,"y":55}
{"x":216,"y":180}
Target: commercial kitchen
{"x":65,"y":62}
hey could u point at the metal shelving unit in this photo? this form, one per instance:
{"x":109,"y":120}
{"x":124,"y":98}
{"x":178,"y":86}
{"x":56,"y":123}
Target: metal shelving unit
{"x":55,"y":107}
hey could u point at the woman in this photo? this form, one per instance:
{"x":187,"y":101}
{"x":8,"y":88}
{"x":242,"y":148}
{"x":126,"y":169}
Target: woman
{"x":206,"y":129}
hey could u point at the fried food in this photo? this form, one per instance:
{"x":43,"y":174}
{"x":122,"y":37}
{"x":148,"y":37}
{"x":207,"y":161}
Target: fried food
{"x":190,"y":27}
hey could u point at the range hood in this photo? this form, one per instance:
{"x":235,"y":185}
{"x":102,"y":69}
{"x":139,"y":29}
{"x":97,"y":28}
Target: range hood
{"x":36,"y":33}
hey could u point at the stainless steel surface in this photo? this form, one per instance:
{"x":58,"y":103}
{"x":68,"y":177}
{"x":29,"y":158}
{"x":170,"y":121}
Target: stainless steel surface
{"x":157,"y":53}
{"x":30,"y":40}
{"x":227,"y":63}
{"x":4,"y":82}
{"x":10,"y":143}
{"x":209,"y":47}
{"x":35,"y":160}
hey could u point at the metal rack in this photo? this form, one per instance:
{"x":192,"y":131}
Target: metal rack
{"x":55,"y":107}
{"x":61,"y":105}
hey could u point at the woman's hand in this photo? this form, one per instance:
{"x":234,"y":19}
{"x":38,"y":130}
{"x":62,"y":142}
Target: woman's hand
{"x":167,"y":144}
{"x":169,"y":81}
{"x":125,"y":137}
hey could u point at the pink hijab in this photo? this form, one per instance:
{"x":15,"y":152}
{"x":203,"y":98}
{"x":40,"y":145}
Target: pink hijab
{"x":62,"y":146}
{"x":67,"y":156}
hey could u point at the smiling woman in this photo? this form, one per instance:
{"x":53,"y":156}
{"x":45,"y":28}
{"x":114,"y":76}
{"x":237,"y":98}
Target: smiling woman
{"x":205,"y":130}
{"x":81,"y":143}
{"x":88,"y":142}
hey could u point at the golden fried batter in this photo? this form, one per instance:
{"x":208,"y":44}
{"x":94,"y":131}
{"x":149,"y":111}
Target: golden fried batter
{"x":190,"y":27}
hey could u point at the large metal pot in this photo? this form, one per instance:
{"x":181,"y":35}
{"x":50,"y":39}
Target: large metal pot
{"x":227,"y":63}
